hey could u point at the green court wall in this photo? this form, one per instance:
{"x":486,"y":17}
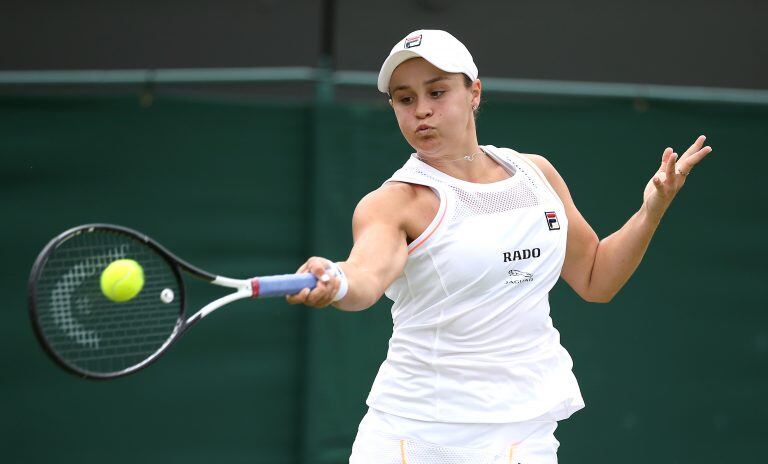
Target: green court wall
{"x":673,"y":370}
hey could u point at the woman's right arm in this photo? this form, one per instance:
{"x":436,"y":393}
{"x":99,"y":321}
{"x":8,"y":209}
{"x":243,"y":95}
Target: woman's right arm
{"x":377,"y":257}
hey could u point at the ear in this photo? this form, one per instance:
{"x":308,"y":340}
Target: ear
{"x":477,"y":91}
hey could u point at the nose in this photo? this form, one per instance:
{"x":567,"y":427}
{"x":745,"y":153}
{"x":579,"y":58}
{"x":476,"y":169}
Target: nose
{"x":423,"y":108}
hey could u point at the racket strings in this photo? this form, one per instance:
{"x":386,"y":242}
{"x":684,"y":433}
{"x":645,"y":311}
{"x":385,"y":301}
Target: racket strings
{"x":86,"y":329}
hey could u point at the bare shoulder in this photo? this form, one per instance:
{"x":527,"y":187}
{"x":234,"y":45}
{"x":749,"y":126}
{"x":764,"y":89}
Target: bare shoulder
{"x":390,"y":196}
{"x":388,"y":202}
{"x":548,"y":169}
{"x":406,"y":207}
{"x":553,"y":177}
{"x":542,"y":163}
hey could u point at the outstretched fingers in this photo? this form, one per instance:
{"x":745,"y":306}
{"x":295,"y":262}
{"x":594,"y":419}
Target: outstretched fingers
{"x":693,"y":155}
{"x":693,"y":159}
{"x":697,"y":144}
{"x":664,"y":172}
{"x":671,"y":176}
{"x":665,"y":158}
{"x":671,"y":167}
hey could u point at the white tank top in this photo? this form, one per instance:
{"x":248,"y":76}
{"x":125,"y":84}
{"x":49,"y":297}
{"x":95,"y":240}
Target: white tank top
{"x":472,"y":338}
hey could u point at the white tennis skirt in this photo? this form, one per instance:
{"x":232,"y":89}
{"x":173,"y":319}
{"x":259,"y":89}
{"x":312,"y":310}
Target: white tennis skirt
{"x":388,"y":439}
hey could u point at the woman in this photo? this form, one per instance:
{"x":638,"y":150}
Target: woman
{"x":467,"y":240}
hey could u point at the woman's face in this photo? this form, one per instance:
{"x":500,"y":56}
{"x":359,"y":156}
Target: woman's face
{"x":433,"y":107}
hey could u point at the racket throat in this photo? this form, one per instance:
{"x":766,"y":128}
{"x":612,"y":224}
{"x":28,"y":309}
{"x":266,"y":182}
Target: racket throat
{"x":244,"y":290}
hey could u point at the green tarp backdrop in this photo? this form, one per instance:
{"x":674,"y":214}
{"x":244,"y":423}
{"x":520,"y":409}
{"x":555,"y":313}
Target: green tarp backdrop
{"x":673,"y":370}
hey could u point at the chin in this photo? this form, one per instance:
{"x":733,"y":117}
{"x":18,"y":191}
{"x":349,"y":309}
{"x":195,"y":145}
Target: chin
{"x":427,"y":146}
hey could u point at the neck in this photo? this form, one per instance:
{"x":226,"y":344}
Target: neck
{"x":472,"y":166}
{"x":461,"y":150}
{"x":454,"y":156}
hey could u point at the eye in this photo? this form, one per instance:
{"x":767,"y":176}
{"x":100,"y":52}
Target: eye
{"x":437,"y":93}
{"x":405,"y":100}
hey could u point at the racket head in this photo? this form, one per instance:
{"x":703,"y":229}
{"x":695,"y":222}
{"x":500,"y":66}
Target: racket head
{"x":79,"y":327}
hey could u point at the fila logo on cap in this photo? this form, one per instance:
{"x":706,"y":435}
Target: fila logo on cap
{"x":414,"y":41}
{"x":552,"y":222}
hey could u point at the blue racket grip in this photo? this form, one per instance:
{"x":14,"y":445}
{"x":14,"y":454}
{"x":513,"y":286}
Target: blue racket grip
{"x":281,"y":285}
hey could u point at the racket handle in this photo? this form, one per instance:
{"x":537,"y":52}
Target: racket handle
{"x":281,"y":285}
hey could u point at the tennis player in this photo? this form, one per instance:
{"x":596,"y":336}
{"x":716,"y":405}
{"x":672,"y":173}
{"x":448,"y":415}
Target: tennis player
{"x":467,"y":240}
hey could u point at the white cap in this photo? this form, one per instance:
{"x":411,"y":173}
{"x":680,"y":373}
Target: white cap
{"x":440,"y":48}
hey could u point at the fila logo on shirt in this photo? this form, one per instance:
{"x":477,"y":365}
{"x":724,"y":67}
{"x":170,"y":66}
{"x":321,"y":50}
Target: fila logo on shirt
{"x":518,"y":255}
{"x":552,"y":221}
{"x":414,"y":41}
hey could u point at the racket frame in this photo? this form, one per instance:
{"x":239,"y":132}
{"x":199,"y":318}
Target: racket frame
{"x":244,"y":288}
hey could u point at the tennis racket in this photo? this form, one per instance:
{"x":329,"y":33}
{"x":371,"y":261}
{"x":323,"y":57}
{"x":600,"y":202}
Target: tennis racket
{"x":94,"y":337}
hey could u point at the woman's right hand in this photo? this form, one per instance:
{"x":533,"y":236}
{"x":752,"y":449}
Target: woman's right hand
{"x":379,"y":252}
{"x":327,"y":284}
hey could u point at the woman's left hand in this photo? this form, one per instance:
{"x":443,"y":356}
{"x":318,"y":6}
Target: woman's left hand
{"x":671,"y":176}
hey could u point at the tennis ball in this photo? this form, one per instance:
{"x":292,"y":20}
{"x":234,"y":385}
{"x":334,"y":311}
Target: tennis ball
{"x":122,"y":280}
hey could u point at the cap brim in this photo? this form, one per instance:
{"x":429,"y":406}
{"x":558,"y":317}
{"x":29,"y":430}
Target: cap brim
{"x":392,"y":62}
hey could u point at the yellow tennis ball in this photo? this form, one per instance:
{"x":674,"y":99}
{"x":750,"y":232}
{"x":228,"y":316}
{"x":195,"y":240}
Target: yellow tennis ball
{"x":122,"y":280}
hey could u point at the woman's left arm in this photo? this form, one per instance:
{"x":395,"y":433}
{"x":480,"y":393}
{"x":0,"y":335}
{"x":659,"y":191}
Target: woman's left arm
{"x":597,"y":269}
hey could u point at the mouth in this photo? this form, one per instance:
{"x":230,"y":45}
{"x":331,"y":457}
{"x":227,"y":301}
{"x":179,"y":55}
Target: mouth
{"x":423,"y":128}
